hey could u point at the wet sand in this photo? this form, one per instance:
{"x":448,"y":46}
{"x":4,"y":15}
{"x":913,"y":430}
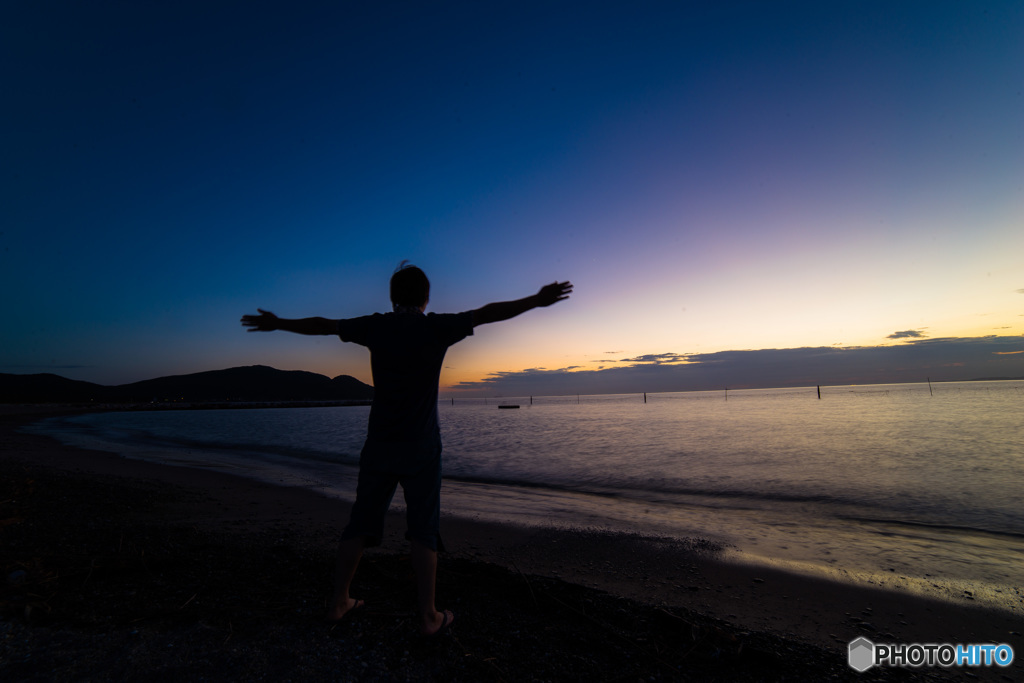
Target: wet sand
{"x":119,"y":555}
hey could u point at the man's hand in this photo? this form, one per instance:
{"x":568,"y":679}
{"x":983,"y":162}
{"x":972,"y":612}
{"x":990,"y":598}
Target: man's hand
{"x":503,"y":310}
{"x":553,"y":293}
{"x":268,"y":322}
{"x":264,"y":322}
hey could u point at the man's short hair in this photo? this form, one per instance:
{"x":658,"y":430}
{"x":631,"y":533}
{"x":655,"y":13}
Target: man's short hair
{"x":409,"y":286}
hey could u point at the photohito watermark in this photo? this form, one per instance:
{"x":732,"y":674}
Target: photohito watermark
{"x":863,"y":654}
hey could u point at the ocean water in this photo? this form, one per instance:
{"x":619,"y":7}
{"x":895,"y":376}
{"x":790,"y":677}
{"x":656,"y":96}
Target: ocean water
{"x":904,"y":486}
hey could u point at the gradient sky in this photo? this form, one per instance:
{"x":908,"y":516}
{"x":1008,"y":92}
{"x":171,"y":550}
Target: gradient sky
{"x":713,"y":177}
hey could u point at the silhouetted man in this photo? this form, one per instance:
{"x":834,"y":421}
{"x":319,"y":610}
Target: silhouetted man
{"x":403,"y":442}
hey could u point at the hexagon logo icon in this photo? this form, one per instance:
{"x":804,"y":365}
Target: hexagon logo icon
{"x":861,"y":654}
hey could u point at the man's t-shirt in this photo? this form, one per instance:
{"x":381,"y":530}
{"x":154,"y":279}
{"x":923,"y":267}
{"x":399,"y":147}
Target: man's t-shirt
{"x":406,"y":353}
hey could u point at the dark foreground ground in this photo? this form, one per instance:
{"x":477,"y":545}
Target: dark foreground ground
{"x":112,"y":578}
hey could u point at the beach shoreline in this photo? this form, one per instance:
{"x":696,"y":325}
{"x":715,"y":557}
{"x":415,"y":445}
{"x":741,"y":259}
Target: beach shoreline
{"x":678,"y":579}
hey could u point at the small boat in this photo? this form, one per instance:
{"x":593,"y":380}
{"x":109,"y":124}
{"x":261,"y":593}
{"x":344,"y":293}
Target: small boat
{"x":510,"y":405}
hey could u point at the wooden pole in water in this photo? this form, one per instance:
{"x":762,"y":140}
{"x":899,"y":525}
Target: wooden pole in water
{"x":930,"y":387}
{"x":819,"y":392}
{"x":727,"y":393}
{"x":645,"y":397}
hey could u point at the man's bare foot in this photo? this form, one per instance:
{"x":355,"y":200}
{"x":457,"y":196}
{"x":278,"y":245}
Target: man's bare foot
{"x":339,"y":610}
{"x":439,"y":624}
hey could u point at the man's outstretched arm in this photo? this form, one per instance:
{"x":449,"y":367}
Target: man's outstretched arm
{"x":503,"y":310}
{"x":268,"y":322}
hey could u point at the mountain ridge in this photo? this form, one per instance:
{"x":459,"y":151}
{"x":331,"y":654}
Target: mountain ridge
{"x":253,"y":383}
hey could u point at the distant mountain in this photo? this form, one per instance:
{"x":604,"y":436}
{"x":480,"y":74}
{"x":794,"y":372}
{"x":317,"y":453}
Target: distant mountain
{"x":255,"y":383}
{"x":48,"y":388}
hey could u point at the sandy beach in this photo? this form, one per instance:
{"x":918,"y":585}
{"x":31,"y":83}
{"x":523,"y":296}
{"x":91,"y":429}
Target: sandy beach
{"x":122,"y":569}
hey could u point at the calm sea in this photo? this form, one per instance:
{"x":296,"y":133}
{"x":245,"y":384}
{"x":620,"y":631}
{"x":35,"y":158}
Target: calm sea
{"x":898,"y":485}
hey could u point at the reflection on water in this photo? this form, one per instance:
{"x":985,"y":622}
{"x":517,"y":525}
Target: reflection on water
{"x":884,"y":483}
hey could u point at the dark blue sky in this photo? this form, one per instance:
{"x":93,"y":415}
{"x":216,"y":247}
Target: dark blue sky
{"x":712,"y":176}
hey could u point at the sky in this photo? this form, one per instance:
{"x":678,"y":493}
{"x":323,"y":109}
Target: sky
{"x":743,"y":193}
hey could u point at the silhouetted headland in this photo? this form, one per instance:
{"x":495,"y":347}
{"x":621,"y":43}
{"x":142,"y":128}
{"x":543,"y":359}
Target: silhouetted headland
{"x":253,"y":384}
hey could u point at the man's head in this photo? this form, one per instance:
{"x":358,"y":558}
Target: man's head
{"x":409,"y":286}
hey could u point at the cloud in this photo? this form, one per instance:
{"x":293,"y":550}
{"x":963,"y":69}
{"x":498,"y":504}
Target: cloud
{"x":943,"y":359}
{"x":906,"y":334}
{"x":656,"y":358}
{"x":1020,"y":291}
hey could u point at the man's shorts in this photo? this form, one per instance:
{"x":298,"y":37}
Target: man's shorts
{"x":382,"y":467}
